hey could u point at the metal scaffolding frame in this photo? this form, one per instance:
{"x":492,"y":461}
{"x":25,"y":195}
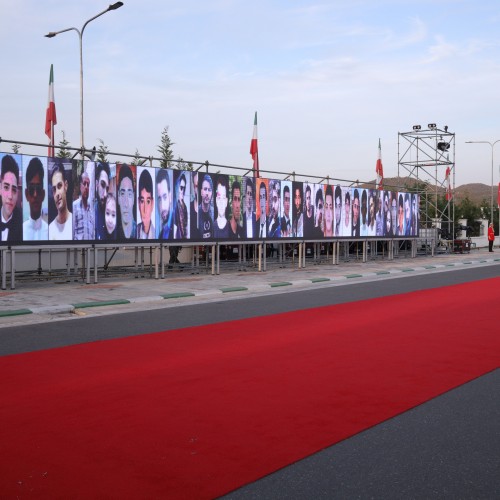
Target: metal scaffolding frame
{"x":426,"y":154}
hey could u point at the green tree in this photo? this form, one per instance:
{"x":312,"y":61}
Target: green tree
{"x":102,"y":152}
{"x":165,"y":149}
{"x":470,"y":211}
{"x":137,"y":157}
{"x":63,"y":144}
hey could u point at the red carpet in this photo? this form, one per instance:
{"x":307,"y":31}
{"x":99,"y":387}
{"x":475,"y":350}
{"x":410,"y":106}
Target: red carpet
{"x":197,"y":412}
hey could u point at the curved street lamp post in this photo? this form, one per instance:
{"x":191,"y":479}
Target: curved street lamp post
{"x":492,"y":145}
{"x":52,"y":34}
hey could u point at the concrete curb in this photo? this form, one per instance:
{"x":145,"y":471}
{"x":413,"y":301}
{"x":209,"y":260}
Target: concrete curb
{"x":259,"y":287}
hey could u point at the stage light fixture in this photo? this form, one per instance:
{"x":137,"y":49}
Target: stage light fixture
{"x":432,"y":126}
{"x":443,"y":146}
{"x":416,"y":127}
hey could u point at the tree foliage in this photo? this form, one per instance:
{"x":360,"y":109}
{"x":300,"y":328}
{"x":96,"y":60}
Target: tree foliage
{"x":63,"y":152}
{"x":102,"y":152}
{"x":165,"y":149}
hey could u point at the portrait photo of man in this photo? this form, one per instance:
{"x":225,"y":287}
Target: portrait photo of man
{"x":164,"y":206}
{"x":181,"y":221}
{"x":249,"y":211}
{"x":328,"y":209}
{"x":61,"y":224}
{"x":286,"y":217}
{"x":298,"y":215}
{"x":83,"y":206}
{"x":235,"y":226}
{"x":11,"y":220}
{"x":274,"y":221}
{"x":206,"y":208}
{"x":308,"y":211}
{"x":35,"y":226}
{"x":146,"y":203}
{"x":338,"y":211}
{"x":102,"y":188}
{"x":261,"y":213}
{"x":346,"y":212}
{"x":127,"y":225}
{"x":355,"y":213}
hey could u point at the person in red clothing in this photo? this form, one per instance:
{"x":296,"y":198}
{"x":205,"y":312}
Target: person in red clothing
{"x":491,"y":236}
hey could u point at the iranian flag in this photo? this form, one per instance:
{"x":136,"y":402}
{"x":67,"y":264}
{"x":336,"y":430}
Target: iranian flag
{"x":50,"y":117}
{"x":379,"y":169}
{"x":254,"y":149}
{"x":449,"y":194}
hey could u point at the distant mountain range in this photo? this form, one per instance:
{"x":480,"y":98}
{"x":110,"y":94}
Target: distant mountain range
{"x":476,"y":191}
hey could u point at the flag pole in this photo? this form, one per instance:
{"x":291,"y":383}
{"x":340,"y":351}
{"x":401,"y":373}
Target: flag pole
{"x":50,"y":115}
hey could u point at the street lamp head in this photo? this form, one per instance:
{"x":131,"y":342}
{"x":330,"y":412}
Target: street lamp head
{"x":115,"y":6}
{"x":50,"y":35}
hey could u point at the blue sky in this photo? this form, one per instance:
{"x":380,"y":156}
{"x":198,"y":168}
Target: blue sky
{"x":328,"y":79}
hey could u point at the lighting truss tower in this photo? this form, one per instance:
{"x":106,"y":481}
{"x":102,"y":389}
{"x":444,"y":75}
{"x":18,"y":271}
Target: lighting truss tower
{"x":426,"y":155}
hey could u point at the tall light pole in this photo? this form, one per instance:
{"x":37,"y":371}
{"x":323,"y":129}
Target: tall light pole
{"x":492,"y":145}
{"x":52,"y":34}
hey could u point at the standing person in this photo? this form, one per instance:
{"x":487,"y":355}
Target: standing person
{"x":205,"y":209}
{"x":235,"y":229}
{"x":491,"y":237}
{"x":83,"y":213}
{"x":102,"y":180}
{"x":146,"y":229}
{"x":35,"y":228}
{"x":127,"y":226}
{"x":164,"y":204}
{"x":61,"y":228}
{"x":181,"y":211}
{"x":11,"y":221}
{"x":298,"y":216}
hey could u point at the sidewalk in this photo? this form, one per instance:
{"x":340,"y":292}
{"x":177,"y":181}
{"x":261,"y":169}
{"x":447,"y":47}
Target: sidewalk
{"x":42,"y":298}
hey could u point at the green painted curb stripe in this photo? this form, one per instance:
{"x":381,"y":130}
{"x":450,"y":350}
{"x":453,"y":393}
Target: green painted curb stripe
{"x":234,"y":289}
{"x":354,"y":276}
{"x":407,"y":270}
{"x":429,"y":267}
{"x":383,"y":272}
{"x":280,"y":283}
{"x":319,"y":280}
{"x":83,"y":305}
{"x":177,"y":295}
{"x":467,"y":262}
{"x":450,"y":265}
{"x":15,"y":312}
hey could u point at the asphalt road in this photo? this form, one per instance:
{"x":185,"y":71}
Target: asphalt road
{"x":26,"y":338}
